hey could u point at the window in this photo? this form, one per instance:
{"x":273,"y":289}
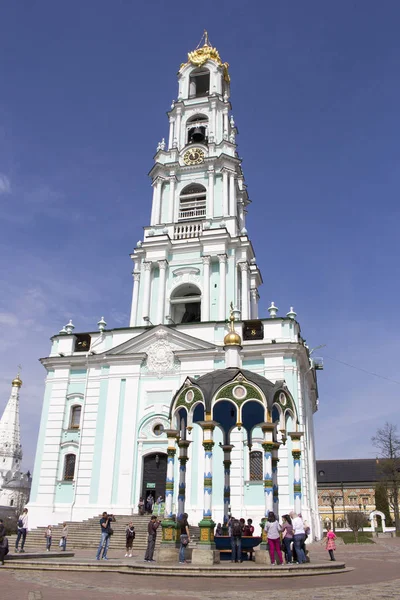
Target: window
{"x":75,"y":417}
{"x":199,"y":83}
{"x":158,"y":429}
{"x":197,"y":130}
{"x":186,"y":304}
{"x":256,"y":466}
{"x":69,"y":467}
{"x":192,"y":202}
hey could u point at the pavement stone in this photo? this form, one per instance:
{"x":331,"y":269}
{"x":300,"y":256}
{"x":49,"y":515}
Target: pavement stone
{"x":376,"y":576}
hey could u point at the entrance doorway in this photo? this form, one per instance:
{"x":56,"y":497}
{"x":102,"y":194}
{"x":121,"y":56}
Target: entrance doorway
{"x":154,"y":475}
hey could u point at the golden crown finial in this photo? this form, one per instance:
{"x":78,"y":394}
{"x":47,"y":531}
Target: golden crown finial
{"x":204,"y":52}
{"x":17,"y":382}
{"x":232,"y":338}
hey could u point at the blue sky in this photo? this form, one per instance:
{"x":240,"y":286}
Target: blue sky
{"x":315,"y":93}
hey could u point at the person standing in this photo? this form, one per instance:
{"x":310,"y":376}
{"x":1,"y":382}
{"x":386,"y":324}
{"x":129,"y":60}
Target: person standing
{"x":236,"y":540}
{"x":64,"y":535}
{"x":185,"y":537}
{"x":149,"y":503}
{"x":273,"y":530}
{"x":298,"y":537}
{"x":130,"y":536}
{"x":330,"y":542}
{"x":141,"y":506}
{"x":48,"y":535}
{"x":151,"y":538}
{"x":22,"y":530}
{"x":159,"y":505}
{"x":106,"y":531}
{"x":3,"y":542}
{"x":287,"y":537}
{"x":248,"y":531}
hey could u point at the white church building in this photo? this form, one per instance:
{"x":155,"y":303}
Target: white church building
{"x":199,"y":398}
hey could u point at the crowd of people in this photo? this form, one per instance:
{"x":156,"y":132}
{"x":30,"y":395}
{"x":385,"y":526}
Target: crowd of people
{"x":288,"y":538}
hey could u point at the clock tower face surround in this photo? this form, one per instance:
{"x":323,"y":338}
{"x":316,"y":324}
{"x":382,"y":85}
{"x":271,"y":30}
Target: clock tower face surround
{"x":193,"y":156}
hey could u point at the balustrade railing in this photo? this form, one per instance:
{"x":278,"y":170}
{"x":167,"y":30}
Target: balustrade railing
{"x":184,"y":231}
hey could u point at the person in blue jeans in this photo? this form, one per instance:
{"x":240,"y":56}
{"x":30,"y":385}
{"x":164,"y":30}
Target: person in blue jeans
{"x":235,"y":529}
{"x":299,"y":537}
{"x":185,"y":537}
{"x":105,"y":525}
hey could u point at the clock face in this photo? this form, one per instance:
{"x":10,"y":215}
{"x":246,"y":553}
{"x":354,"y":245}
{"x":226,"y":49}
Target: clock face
{"x":194,"y":156}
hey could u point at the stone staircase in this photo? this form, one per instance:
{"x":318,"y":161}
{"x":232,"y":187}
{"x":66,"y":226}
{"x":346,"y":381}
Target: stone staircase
{"x":86,"y":534}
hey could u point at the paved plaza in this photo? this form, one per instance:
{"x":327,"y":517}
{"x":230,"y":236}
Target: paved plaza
{"x":375,"y":575}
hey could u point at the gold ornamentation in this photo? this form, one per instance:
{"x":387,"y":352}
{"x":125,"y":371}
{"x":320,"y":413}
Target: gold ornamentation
{"x":201,"y":55}
{"x":232,"y":338}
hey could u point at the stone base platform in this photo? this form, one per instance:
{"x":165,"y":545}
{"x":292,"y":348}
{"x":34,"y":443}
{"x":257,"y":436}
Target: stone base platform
{"x":241,"y":570}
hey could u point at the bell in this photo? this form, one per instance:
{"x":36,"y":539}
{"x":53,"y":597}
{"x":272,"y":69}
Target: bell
{"x":197,"y":135}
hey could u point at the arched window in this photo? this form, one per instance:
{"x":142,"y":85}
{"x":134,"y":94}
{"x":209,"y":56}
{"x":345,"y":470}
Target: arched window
{"x":197,"y":129}
{"x":75,"y":419}
{"x":186,"y":304}
{"x":69,"y":467}
{"x":256,"y":466}
{"x":192,"y":202}
{"x":199,"y":83}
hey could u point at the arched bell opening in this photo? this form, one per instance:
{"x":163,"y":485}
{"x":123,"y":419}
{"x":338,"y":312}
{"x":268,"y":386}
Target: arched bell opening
{"x":199,"y":83}
{"x":225,"y":413}
{"x":192,"y":202}
{"x":198,"y":413}
{"x":197,"y":129}
{"x":186,"y":304}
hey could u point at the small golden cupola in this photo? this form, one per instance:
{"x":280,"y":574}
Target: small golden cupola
{"x":17,"y":382}
{"x":232,"y":338}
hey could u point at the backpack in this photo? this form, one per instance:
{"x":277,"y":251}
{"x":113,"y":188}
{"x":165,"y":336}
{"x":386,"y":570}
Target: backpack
{"x":236,"y":528}
{"x":20,"y":523}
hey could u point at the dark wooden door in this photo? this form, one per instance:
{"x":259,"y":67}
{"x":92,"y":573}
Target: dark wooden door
{"x":154,"y":475}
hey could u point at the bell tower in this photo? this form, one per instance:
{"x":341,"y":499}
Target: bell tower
{"x":196,"y":255}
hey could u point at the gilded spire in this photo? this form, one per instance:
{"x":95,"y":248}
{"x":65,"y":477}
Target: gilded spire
{"x":232,"y":338}
{"x":206,"y":52}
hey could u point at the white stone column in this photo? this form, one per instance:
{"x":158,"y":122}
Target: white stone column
{"x":135,"y":297}
{"x":172,"y":435}
{"x":213,"y":126}
{"x":146,"y":290}
{"x":171,"y":133}
{"x":222,"y":287}
{"x":244,"y":268}
{"x":205,"y":308}
{"x":162,"y":264}
{"x":171,"y":207}
{"x":210,"y":195}
{"x":225,"y":198}
{"x":156,"y":207}
{"x":227,"y":449}
{"x":296,"y":453}
{"x":232,"y":195}
{"x":177,"y":134}
{"x":183,"y":458}
{"x":254,"y":303}
{"x":268,"y":446}
{"x":226,"y":127}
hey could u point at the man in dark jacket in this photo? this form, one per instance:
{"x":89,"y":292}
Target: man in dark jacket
{"x":3,"y":542}
{"x":151,"y":538}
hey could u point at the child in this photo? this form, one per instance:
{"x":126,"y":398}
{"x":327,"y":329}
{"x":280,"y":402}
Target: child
{"x":330,"y":543}
{"x":48,"y":535}
{"x":130,"y":536}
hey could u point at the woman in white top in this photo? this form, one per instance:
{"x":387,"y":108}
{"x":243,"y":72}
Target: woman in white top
{"x":299,"y":537}
{"x":273,"y":530}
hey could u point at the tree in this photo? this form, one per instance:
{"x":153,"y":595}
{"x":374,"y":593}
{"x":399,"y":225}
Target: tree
{"x":382,"y":503}
{"x":356,"y":520}
{"x":332,"y":500}
{"x":387,"y":442}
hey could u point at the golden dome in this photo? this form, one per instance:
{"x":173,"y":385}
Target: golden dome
{"x":232,"y":339}
{"x":17,"y":382}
